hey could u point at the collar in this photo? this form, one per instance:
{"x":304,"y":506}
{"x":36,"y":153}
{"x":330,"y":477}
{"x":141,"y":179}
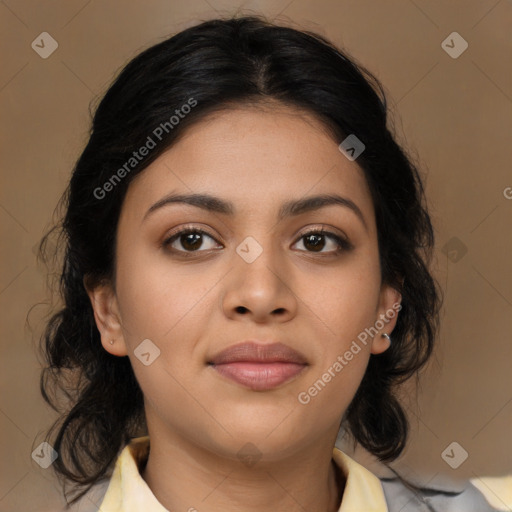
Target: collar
{"x":128,"y":492}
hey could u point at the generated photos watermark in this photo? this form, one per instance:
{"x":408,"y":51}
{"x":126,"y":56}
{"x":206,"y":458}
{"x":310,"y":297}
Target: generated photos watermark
{"x":152,"y":140}
{"x":304,"y":397}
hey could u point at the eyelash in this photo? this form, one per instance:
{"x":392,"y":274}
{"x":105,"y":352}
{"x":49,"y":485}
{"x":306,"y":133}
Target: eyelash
{"x":343,"y":244}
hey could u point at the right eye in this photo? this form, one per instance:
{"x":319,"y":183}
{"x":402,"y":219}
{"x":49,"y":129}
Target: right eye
{"x":190,"y":239}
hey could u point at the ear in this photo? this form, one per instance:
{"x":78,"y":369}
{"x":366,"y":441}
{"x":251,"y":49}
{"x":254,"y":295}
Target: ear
{"x":387,"y":315}
{"x":107,"y":316}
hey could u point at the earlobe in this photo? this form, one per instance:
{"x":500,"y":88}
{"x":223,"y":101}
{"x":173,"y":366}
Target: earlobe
{"x":387,"y":315}
{"x":380,"y":343}
{"x":107,"y":317}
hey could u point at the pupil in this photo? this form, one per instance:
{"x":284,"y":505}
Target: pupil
{"x":191,"y":241}
{"x":316,"y":244}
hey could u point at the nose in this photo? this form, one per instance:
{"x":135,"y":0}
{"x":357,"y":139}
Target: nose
{"x":260,"y":291}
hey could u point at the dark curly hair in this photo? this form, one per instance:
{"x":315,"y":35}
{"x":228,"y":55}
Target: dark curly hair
{"x":219,"y":64}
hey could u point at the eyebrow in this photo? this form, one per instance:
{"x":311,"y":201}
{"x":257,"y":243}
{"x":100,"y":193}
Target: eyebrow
{"x":288,"y":209}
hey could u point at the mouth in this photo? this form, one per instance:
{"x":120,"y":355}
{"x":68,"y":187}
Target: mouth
{"x":259,"y":366}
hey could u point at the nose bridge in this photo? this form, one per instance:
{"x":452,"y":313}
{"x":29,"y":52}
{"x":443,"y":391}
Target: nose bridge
{"x":258,"y":260}
{"x":258,"y":282}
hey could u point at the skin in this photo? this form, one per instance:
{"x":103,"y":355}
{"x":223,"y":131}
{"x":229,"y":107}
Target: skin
{"x":316,"y":302}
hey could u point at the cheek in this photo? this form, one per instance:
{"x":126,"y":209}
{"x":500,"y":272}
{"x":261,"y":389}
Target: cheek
{"x":157,"y":299}
{"x":168,"y":306}
{"x":344,"y":306}
{"x":344,"y":302}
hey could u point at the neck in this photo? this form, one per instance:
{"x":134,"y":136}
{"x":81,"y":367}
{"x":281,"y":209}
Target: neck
{"x":189,"y":478}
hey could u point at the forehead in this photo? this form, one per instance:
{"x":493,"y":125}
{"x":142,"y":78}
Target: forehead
{"x":255,"y":157}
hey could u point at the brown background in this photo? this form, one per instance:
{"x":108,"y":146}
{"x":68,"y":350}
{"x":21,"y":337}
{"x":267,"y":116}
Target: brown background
{"x":456,"y":115}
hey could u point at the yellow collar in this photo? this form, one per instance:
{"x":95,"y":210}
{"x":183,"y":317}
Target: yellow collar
{"x":128,"y":492}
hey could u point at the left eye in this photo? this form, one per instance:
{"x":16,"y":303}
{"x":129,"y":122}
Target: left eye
{"x":316,"y":240}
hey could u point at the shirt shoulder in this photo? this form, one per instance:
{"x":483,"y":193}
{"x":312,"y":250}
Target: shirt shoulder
{"x":112,"y":494}
{"x":443,"y":493}
{"x":400,"y":497}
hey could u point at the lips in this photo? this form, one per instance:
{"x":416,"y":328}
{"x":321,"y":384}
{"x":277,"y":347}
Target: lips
{"x":259,"y":366}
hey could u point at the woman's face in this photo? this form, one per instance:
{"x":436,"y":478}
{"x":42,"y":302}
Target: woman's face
{"x":250,"y":275}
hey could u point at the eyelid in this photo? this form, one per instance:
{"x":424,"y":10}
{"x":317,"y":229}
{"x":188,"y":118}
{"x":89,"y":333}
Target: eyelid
{"x":323,"y":228}
{"x":187,"y":228}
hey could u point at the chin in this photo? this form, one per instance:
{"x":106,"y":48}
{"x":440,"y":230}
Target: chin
{"x":274,"y":437}
{"x":250,"y":449}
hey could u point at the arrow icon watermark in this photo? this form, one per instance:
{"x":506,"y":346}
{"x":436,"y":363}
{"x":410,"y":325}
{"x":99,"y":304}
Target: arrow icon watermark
{"x":352,"y":147}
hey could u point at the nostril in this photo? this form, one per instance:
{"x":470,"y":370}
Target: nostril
{"x":241,"y":309}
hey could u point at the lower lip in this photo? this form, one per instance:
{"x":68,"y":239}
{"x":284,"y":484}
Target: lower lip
{"x":259,"y":376}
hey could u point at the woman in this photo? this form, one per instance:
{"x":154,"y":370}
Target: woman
{"x":245,"y":272}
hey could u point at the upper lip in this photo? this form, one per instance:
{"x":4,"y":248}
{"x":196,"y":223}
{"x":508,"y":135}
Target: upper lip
{"x":258,"y":352}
